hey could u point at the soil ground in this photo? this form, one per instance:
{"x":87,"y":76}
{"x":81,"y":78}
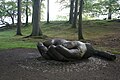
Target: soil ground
{"x":111,"y":41}
{"x":27,"y":64}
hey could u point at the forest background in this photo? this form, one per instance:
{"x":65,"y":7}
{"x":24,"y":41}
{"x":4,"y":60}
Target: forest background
{"x":30,"y":21}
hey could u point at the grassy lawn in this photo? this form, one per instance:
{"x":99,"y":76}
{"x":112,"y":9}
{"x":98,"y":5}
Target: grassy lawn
{"x":91,"y":30}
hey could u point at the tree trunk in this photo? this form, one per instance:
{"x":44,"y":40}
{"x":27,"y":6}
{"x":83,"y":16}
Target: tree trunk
{"x":13,"y":20}
{"x":36,"y":31}
{"x":26,"y":13}
{"x":48,"y":11}
{"x":19,"y":19}
{"x":11,"y":16}
{"x":80,"y":35}
{"x":75,"y":15}
{"x":71,"y":11}
{"x":110,"y":14}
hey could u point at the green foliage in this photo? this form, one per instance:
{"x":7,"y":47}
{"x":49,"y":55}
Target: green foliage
{"x":64,"y":3}
{"x":26,"y":3}
{"x":102,"y":6}
{"x":8,"y":7}
{"x":88,"y":4}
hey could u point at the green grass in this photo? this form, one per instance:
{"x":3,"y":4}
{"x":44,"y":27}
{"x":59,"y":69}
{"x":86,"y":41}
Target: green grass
{"x":9,"y":40}
{"x":91,"y":30}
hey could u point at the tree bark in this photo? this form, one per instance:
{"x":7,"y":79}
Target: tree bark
{"x":12,"y":20}
{"x":48,"y":11}
{"x":71,"y":11}
{"x":11,"y":16}
{"x":26,"y":13}
{"x":75,"y":15}
{"x":80,"y":34}
{"x":19,"y":19}
{"x":110,"y":9}
{"x":36,"y":31}
{"x":110,"y":14}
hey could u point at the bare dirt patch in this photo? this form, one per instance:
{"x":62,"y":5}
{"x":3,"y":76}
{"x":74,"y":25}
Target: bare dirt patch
{"x":111,"y":41}
{"x":23,"y":64}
